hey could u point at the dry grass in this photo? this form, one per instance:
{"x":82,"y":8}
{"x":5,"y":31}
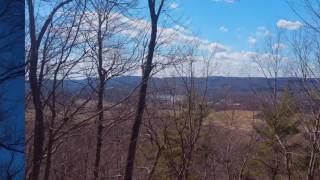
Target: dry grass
{"x":238,"y":119}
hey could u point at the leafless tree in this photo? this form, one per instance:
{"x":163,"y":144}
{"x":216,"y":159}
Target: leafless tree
{"x":278,"y":109}
{"x":305,"y":47}
{"x":50,"y":62}
{"x":104,"y":21}
{"x":146,"y":70}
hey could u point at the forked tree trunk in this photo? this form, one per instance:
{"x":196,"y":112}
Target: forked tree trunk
{"x":147,"y":68}
{"x":38,"y":140}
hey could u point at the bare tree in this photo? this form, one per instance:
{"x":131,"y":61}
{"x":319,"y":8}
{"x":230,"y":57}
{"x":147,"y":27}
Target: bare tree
{"x":146,"y":70}
{"x":278,"y":109}
{"x":306,"y":53}
{"x":305,"y":47}
{"x":107,"y":55}
{"x":37,"y":32}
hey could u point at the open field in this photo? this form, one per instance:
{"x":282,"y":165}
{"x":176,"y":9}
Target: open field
{"x":239,"y":119}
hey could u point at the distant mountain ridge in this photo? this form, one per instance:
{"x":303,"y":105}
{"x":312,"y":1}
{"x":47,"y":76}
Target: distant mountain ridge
{"x":214,"y":83}
{"x":233,"y":90}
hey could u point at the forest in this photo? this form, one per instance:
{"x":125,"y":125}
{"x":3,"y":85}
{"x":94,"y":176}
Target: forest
{"x":115,"y":89}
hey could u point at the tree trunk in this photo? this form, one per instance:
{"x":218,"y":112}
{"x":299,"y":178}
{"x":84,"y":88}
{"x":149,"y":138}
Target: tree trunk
{"x":38,"y":140}
{"x":99,"y":132}
{"x":100,"y":103}
{"x":49,"y":155}
{"x":147,"y":68}
{"x":136,"y":129}
{"x":35,"y":90}
{"x":153,"y":169}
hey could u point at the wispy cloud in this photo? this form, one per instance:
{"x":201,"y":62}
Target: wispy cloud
{"x":289,"y":25}
{"x":279,"y":46}
{"x":228,"y":62}
{"x":223,"y":29}
{"x":174,"y":5}
{"x":262,"y":32}
{"x":226,"y":1}
{"x":252,"y":40}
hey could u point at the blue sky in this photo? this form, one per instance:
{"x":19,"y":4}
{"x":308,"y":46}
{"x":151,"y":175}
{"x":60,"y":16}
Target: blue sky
{"x":233,"y":23}
{"x":238,"y":27}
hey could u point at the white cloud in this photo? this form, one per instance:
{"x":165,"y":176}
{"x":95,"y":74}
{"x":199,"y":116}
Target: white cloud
{"x":180,"y":28}
{"x":212,"y":47}
{"x":226,"y":1}
{"x":236,"y":63}
{"x":236,"y":56}
{"x":289,"y":25}
{"x":176,"y":35}
{"x":229,"y":62}
{"x":252,"y":40}
{"x":223,"y":29}
{"x":174,"y":5}
{"x":279,"y":46}
{"x":263,"y":31}
{"x":239,"y":29}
